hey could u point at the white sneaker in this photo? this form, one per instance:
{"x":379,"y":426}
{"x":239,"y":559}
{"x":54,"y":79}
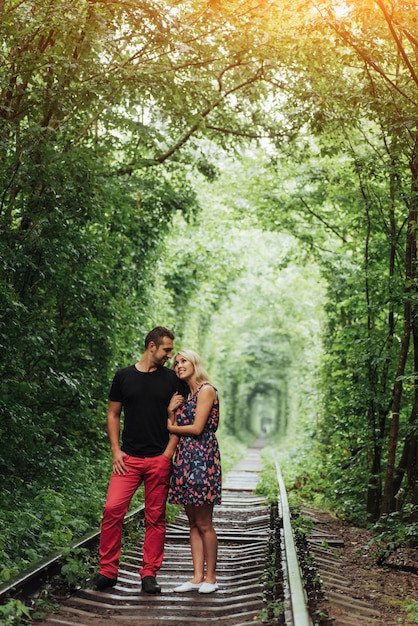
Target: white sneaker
{"x":188,"y":586}
{"x":208,"y":587}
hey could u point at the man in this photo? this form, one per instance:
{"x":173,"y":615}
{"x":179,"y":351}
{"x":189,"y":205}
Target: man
{"x":143,"y":391}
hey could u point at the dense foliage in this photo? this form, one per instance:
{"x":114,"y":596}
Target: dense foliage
{"x":245,"y":172}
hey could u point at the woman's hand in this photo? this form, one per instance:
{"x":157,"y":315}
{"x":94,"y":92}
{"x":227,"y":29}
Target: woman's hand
{"x":176,"y":401}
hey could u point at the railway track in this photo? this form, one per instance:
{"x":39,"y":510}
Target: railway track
{"x":243,"y":525}
{"x":260,"y":580}
{"x":341,"y":601}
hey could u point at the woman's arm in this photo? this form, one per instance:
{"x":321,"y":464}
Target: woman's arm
{"x":175,"y":403}
{"x":205,"y":400}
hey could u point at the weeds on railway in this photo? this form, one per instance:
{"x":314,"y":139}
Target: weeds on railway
{"x":14,"y":613}
{"x":268,"y":485}
{"x":37,"y":519}
{"x":393,"y":535}
{"x":301,"y":524}
{"x":302,"y":527}
{"x":412,"y":610}
{"x":273,"y":612}
{"x":77,"y":565}
{"x":272,"y":578}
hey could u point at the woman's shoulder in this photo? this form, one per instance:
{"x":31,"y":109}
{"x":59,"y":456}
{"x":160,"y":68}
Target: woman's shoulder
{"x":206,"y":383}
{"x":207,"y":388}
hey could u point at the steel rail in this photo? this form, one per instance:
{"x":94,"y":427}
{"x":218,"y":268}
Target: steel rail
{"x":29,"y":581}
{"x":298,"y":614}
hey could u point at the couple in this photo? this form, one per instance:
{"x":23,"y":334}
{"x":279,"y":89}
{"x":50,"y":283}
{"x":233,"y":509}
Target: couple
{"x":166,"y":413}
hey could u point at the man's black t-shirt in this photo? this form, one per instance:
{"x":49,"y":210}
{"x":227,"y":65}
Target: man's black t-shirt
{"x":145,"y":398}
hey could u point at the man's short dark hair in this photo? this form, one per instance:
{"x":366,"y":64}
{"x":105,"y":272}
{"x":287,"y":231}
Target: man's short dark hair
{"x":157,"y":334}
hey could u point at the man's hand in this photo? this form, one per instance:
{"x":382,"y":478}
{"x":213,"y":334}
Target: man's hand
{"x":119,"y":466}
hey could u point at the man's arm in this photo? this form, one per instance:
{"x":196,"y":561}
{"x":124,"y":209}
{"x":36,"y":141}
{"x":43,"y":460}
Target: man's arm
{"x":171,"y":446}
{"x":113,"y":430}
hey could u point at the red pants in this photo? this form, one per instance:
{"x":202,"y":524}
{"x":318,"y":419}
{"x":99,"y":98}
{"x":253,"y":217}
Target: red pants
{"x":154,"y":472}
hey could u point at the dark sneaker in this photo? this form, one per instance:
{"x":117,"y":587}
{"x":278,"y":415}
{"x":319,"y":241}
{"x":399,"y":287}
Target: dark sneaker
{"x":150,"y":585}
{"x":100,"y":582}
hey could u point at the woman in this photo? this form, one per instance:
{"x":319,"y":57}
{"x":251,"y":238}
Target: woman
{"x":196,"y":478}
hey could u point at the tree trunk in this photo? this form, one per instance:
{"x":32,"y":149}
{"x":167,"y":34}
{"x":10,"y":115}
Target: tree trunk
{"x":409,"y":459}
{"x":410,"y":322}
{"x":411,"y":443}
{"x":388,"y":495}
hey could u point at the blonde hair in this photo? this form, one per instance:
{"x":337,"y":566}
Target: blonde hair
{"x":201,"y":374}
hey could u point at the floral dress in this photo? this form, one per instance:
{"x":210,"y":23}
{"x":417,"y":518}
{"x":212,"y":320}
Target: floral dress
{"x":197,"y":476}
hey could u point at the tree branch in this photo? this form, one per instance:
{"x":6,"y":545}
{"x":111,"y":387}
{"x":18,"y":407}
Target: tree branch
{"x":363,"y":55}
{"x":397,"y":41}
{"x":322,"y":220}
{"x":180,"y":143}
{"x":242,"y":133}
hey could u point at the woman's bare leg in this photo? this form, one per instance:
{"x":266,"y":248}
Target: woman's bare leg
{"x":196,"y":545}
{"x":203,"y":521}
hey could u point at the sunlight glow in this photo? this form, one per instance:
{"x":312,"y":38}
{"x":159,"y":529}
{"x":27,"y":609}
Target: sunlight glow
{"x":340,"y":8}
